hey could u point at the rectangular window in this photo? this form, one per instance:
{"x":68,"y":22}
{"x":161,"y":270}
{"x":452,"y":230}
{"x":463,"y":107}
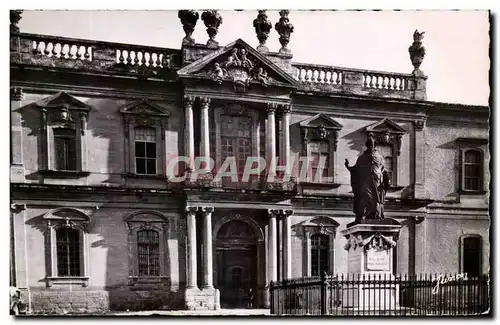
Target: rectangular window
{"x":236,"y":139}
{"x":148,"y":248}
{"x":386,"y":152}
{"x":319,"y":254}
{"x":472,"y":170}
{"x":65,"y":149}
{"x":472,"y":256}
{"x":319,"y":150}
{"x":145,"y":151}
{"x":68,"y":252}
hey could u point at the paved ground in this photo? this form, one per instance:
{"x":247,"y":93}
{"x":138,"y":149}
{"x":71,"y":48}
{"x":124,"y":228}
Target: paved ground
{"x":220,"y":312}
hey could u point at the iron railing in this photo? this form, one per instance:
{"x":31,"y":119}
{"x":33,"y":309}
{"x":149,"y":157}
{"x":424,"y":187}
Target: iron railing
{"x":381,"y":294}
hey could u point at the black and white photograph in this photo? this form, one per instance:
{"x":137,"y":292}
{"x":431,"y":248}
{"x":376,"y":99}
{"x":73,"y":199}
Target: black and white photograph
{"x":244,"y":162}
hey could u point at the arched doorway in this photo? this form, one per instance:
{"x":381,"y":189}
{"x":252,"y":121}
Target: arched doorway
{"x":237,"y":245}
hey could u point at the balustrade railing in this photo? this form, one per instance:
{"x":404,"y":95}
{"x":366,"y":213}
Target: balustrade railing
{"x":321,"y":74}
{"x":61,"y":48}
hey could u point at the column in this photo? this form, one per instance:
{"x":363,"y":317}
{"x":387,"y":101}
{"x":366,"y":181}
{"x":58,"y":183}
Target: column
{"x":189,"y":129}
{"x":287,"y":244}
{"x":191,"y":248}
{"x":16,"y":155}
{"x":307,"y":235}
{"x":207,"y":248}
{"x":271,"y":136}
{"x":419,"y":161}
{"x":272,"y":251}
{"x":205,"y":135}
{"x":285,"y":142}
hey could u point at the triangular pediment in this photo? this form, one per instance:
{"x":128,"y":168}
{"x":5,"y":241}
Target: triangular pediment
{"x":385,"y":125}
{"x":321,"y":120}
{"x":238,"y":62}
{"x":144,"y":107}
{"x":322,"y":221}
{"x":61,"y":100}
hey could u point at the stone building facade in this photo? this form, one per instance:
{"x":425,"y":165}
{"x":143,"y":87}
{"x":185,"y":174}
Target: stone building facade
{"x":98,"y":222}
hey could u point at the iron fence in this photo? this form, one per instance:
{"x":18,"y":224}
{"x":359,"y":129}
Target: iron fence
{"x":381,"y":294}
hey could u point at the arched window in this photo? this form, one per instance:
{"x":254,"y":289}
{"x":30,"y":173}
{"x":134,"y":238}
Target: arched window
{"x":320,"y":251}
{"x":148,"y":250}
{"x":471,"y":253}
{"x":472,"y":170}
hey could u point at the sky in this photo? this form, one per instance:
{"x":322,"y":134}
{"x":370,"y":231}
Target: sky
{"x":457,"y":42}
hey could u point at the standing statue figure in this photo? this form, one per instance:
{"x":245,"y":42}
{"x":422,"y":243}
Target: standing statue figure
{"x":369,"y":181}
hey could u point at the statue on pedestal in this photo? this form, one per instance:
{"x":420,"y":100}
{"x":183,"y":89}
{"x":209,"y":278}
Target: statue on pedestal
{"x":370,"y":182}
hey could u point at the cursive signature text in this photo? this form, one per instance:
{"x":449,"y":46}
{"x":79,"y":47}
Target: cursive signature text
{"x":442,"y":279}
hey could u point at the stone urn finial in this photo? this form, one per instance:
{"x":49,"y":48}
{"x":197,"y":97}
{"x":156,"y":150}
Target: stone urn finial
{"x":262,"y":27}
{"x":188,"y":19}
{"x":212,"y":20}
{"x":417,"y":50}
{"x":285,"y":29}
{"x":15,"y":17}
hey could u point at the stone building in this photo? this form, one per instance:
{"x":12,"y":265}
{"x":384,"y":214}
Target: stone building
{"x":98,"y":222}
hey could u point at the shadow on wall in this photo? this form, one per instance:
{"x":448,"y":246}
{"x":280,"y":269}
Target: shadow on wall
{"x":355,"y":142}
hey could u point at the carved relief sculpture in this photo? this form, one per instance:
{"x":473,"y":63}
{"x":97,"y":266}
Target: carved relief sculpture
{"x":188,"y":19}
{"x":370,"y":182}
{"x":212,"y":20}
{"x":417,"y":50}
{"x":262,"y":27}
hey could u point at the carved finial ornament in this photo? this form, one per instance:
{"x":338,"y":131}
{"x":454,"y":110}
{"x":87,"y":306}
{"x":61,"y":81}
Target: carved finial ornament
{"x":262,"y":27}
{"x":417,"y":50}
{"x":212,"y":20}
{"x":284,"y":29}
{"x":188,"y":19}
{"x":15,"y":17}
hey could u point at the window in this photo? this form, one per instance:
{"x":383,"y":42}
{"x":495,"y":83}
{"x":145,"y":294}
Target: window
{"x":386,"y":152}
{"x":144,"y":126}
{"x":145,"y":150}
{"x":319,"y":150}
{"x":320,"y":134}
{"x":471,"y":255}
{"x":472,"y":170}
{"x":236,"y":139}
{"x":147,"y":240}
{"x":65,"y":149}
{"x":66,"y":247}
{"x":319,"y":254}
{"x":68,"y":252}
{"x":63,"y":140}
{"x":148,"y":245}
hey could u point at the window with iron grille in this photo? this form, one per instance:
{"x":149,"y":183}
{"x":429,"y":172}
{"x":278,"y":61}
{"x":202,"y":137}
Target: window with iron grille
{"x":472,"y":255}
{"x":472,"y":170}
{"x":68,"y":252}
{"x":319,"y":150}
{"x":319,"y":254}
{"x":148,"y":250}
{"x":65,"y":149}
{"x":145,"y":150}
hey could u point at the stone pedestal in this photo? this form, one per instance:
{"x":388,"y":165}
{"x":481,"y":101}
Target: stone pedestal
{"x":370,"y":246}
{"x":202,"y":299}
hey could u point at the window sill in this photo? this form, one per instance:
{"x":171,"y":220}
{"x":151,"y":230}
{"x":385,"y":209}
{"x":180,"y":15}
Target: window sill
{"x":148,"y":281}
{"x":140,"y":176}
{"x":67,"y":280}
{"x":395,"y":188}
{"x":467,"y":192}
{"x":324,"y":184}
{"x":63,"y":173}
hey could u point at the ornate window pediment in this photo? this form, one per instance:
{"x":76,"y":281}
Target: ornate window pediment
{"x":320,"y":127}
{"x":66,"y":231}
{"x":319,"y":245}
{"x":322,"y":225}
{"x":240,"y":64}
{"x":63,"y":142}
{"x":145,"y":122}
{"x":387,"y":132}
